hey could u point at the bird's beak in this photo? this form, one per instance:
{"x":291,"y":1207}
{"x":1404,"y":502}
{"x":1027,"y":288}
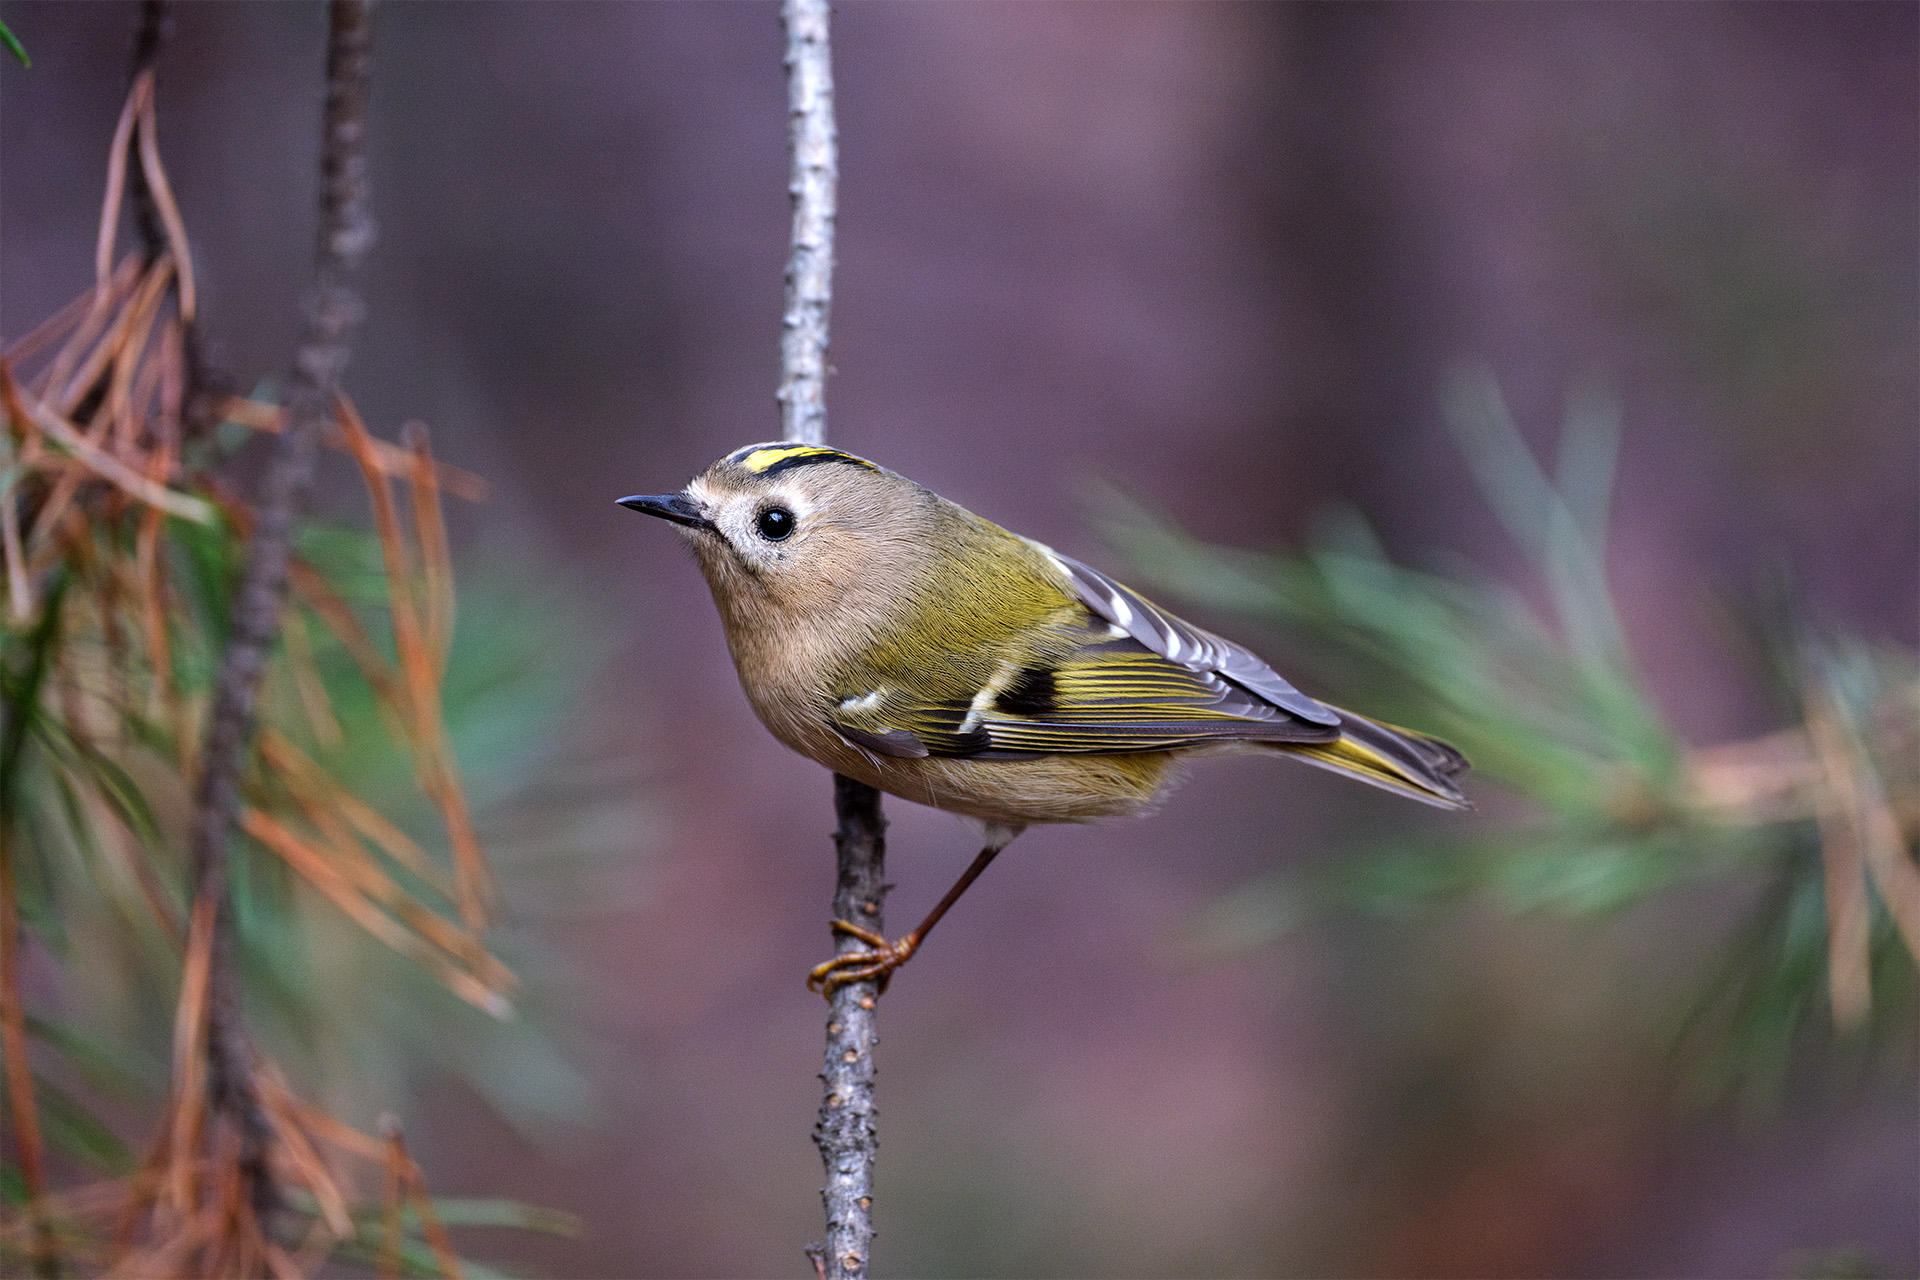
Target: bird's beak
{"x":676,"y":507}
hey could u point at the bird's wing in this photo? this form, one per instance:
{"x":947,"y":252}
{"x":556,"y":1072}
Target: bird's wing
{"x":1183,"y":643}
{"x":1098,"y":689}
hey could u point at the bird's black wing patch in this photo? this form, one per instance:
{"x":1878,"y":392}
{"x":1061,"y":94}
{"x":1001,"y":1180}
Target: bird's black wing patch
{"x":1107,"y":693}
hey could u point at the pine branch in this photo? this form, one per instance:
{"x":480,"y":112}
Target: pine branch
{"x":157,"y":222}
{"x":333,"y":308}
{"x":156,"y":25}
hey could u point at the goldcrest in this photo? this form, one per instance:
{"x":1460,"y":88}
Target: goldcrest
{"x":901,"y":640}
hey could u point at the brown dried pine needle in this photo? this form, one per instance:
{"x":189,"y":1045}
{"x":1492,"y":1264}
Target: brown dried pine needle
{"x":96,"y":483}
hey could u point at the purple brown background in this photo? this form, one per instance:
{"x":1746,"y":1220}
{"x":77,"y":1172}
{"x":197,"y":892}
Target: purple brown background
{"x":1223,"y":254}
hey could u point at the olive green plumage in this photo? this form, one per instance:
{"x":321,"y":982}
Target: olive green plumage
{"x":902,"y":640}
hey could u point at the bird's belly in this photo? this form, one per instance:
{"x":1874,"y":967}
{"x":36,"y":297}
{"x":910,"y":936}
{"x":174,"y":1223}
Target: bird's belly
{"x":1051,"y":788}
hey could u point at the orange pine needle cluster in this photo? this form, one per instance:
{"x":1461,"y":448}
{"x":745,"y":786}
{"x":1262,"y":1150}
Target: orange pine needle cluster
{"x":93,"y":474}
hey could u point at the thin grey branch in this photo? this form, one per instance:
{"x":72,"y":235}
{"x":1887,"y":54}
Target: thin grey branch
{"x":333,"y":308}
{"x":846,"y":1134}
{"x":803,"y":324}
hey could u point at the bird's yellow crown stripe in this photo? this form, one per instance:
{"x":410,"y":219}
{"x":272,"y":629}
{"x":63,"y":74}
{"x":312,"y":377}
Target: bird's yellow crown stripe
{"x":761,"y":459}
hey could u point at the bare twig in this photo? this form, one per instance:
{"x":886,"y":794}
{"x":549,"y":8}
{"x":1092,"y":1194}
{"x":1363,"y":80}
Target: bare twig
{"x":333,"y":309}
{"x":846,"y":1133}
{"x":803,"y":326}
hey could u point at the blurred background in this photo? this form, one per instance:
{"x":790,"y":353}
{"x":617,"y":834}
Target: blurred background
{"x":1224,"y":256}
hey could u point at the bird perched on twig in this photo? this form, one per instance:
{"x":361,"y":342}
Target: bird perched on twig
{"x":899,"y":639}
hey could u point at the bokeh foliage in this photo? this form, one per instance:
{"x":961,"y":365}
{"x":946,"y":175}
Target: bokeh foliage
{"x":359,"y":895}
{"x":1817,"y":820}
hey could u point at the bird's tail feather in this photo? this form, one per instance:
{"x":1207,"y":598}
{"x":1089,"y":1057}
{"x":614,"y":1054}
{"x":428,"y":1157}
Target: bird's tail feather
{"x":1395,"y":759}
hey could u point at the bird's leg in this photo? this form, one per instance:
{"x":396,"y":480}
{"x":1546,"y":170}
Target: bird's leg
{"x":882,"y":957}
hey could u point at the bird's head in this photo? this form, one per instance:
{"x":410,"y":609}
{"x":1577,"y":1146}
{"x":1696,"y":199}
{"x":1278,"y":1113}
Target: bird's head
{"x":795,"y":526}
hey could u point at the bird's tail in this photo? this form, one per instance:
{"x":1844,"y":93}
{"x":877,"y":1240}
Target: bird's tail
{"x":1395,"y":759}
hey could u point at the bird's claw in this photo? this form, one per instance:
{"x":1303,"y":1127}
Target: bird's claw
{"x":878,"y":961}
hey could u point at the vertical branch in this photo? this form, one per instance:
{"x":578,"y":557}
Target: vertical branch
{"x":846,"y":1133}
{"x":332,"y":310}
{"x":816,"y":171}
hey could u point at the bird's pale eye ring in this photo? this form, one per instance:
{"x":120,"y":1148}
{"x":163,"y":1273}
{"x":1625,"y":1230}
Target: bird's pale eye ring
{"x":775,"y":524}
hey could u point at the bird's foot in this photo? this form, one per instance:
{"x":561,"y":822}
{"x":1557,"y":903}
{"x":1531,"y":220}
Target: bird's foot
{"x":879,"y":960}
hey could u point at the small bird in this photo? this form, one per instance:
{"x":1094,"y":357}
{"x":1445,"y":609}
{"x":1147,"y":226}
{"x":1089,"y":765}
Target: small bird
{"x":901,"y":640}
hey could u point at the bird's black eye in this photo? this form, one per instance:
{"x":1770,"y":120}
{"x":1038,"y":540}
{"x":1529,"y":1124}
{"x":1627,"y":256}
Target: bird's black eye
{"x":775,"y":524}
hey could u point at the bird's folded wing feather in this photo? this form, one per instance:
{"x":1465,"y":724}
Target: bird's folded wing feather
{"x":1101,"y":690}
{"x":1183,"y":643}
